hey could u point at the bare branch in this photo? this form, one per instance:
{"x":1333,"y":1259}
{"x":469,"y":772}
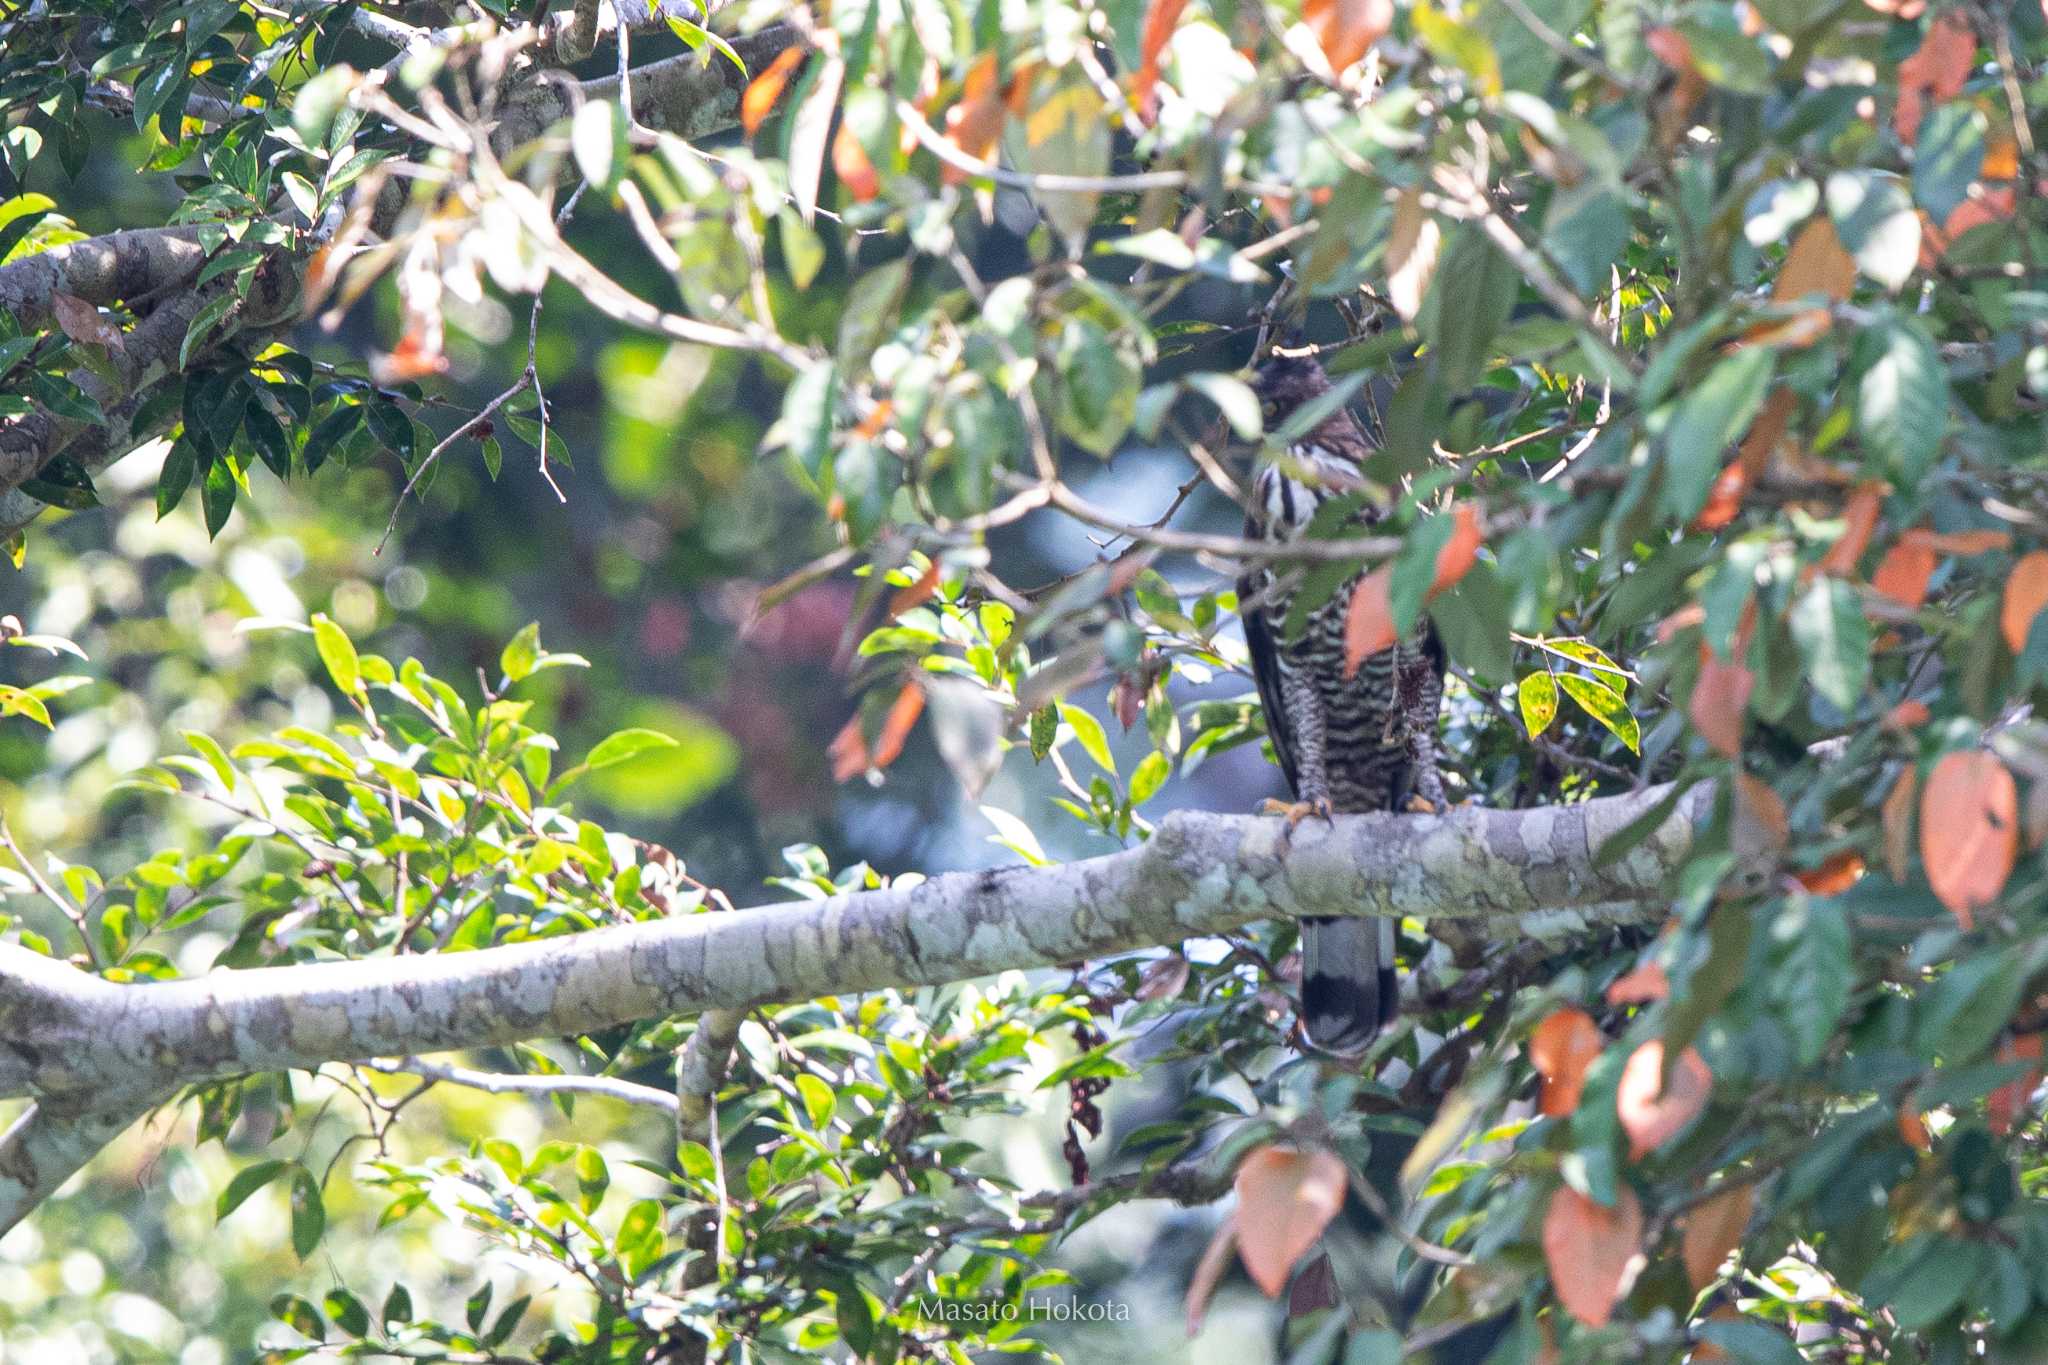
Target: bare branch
{"x":514,"y":1083}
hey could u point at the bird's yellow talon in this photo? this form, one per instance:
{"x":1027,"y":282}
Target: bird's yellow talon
{"x":1297,"y":811}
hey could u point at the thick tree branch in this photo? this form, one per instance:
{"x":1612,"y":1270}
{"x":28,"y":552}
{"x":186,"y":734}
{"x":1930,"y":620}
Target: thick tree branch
{"x":75,"y":1039}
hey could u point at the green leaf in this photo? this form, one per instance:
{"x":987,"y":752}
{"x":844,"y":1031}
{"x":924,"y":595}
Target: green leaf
{"x":203,"y":322}
{"x":16,"y":701}
{"x":1149,"y":776}
{"x":1709,"y":418}
{"x":1753,"y":1343}
{"x":1873,"y":213}
{"x":1813,"y":973}
{"x":805,"y":428}
{"x":348,"y":1312}
{"x":217,"y":494}
{"x":1902,"y":399}
{"x":62,"y":482}
{"x":597,"y":137}
{"x":1961,"y":1013}
{"x":397,"y":1307}
{"x":640,"y":1241}
{"x":65,"y":399}
{"x":1604,"y":704}
{"x":593,"y":1177}
{"x":1537,"y":696}
{"x":521,"y":653}
{"x":309,"y":1212}
{"x":247,"y":1181}
{"x":819,"y":1101}
{"x":622,"y":746}
{"x":1234,"y":398}
{"x":1088,"y":732}
{"x":338,"y":652}
{"x":803,"y":252}
{"x":1833,"y":637}
{"x":1947,"y":157}
{"x":299,"y":1315}
{"x":1472,"y":618}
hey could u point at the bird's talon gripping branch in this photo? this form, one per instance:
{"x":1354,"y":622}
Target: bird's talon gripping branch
{"x":1297,"y":811}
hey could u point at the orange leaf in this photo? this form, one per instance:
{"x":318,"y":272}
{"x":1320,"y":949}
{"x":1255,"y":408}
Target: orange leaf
{"x":1368,"y":619}
{"x":762,"y":91}
{"x":850,"y":163}
{"x":1907,"y":715}
{"x":1284,"y":1201}
{"x":1346,"y":29}
{"x":1639,"y":987}
{"x":1724,"y":499}
{"x":976,"y":121}
{"x":903,"y":599}
{"x":1967,"y":542}
{"x":1860,"y":519}
{"x":903,"y":714}
{"x":2026,"y":593}
{"x":2001,"y":156}
{"x":877,"y":418}
{"x":1935,"y":72}
{"x":2007,"y":1104}
{"x":1160,"y":20}
{"x":1592,"y":1251}
{"x":1761,"y":828}
{"x":1969,"y":831}
{"x":1720,"y":695}
{"x":848,"y":751}
{"x":1460,"y":552}
{"x":1905,"y":570}
{"x":1652,"y":1110}
{"x":1561,"y":1049}
{"x":1685,"y":618}
{"x":1816,"y":263}
{"x":1897,"y":815}
{"x":1712,"y":1230}
{"x":1834,"y":876}
{"x":1913,"y":1128}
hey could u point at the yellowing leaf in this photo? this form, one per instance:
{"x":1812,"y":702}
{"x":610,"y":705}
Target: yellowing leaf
{"x":1284,"y":1201}
{"x":1537,"y":696}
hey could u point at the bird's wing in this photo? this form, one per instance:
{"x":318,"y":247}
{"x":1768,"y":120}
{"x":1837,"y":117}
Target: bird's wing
{"x":1265,"y":656}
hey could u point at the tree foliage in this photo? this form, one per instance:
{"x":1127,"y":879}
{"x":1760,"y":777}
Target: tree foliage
{"x":1706,"y":350}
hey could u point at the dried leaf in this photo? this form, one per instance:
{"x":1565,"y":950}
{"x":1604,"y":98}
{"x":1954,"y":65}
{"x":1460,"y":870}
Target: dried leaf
{"x":1369,"y":619}
{"x":850,"y":163}
{"x":1912,"y":1127}
{"x":848,"y":751}
{"x":1761,"y":829}
{"x":2007,"y":1105}
{"x":1969,"y":831}
{"x":1285,"y":1199}
{"x":1561,"y":1049}
{"x":765,"y":89}
{"x":83,"y":322}
{"x":1712,"y":1230}
{"x":1653,"y":1110}
{"x":1593,"y":1252}
{"x":1164,"y":979}
{"x":2026,"y":593}
{"x":1907,"y":715}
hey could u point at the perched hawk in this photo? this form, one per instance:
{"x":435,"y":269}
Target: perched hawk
{"x":1363,"y":743}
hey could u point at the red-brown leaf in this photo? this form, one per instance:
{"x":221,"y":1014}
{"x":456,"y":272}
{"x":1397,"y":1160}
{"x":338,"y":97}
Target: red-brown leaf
{"x":1592,"y":1251}
{"x":1935,"y":72}
{"x":1652,"y":1111}
{"x":1160,"y":20}
{"x":1903,"y":573}
{"x":1720,"y":696}
{"x":2007,"y":1104}
{"x":1641,"y":986}
{"x":1834,"y":876}
{"x":1561,"y":1049}
{"x":1460,"y":552}
{"x":1859,"y":516}
{"x":904,"y":598}
{"x":2026,"y":593}
{"x":82,"y":322}
{"x":765,"y":89}
{"x":903,"y":714}
{"x":1712,"y":1230}
{"x":1347,"y":29}
{"x":1969,"y":831}
{"x":1285,"y":1199}
{"x":976,"y":121}
{"x":1369,"y":619}
{"x":850,"y":163}
{"x":1897,"y":818}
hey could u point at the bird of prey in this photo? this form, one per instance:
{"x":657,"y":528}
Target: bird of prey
{"x":1356,"y":744}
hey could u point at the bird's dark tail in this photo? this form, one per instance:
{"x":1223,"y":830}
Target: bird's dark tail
{"x":1348,"y":988}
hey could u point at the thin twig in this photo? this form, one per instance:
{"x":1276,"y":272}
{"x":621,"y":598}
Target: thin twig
{"x":503,"y":1083}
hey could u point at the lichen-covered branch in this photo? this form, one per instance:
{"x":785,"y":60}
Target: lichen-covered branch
{"x":74,"y":1039}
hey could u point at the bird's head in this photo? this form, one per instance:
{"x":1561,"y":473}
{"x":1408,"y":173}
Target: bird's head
{"x":1284,"y":383}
